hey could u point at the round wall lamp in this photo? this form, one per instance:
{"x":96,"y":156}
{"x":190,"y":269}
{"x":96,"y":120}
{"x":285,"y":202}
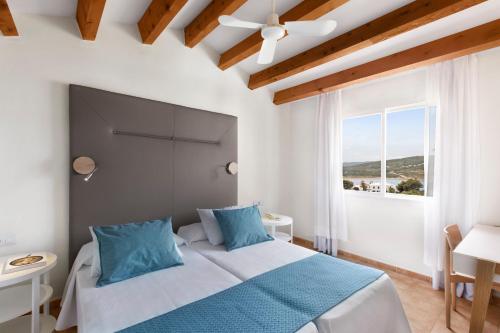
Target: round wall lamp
{"x":232,"y":168}
{"x":84,"y":166}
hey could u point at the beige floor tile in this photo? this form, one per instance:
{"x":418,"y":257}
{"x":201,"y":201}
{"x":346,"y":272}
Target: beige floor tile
{"x":424,"y":308}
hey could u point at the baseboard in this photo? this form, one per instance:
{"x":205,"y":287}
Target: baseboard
{"x":55,"y":307}
{"x":384,"y":266}
{"x":367,"y":261}
{"x":303,"y":242}
{"x":55,"y":304}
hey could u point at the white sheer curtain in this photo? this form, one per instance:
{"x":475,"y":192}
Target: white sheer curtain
{"x":453,"y":88}
{"x":330,"y":223}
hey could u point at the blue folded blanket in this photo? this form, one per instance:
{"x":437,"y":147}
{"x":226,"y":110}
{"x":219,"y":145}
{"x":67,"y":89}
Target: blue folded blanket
{"x":282,"y":300}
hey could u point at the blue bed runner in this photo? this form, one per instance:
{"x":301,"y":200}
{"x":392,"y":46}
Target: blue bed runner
{"x":281,"y":300}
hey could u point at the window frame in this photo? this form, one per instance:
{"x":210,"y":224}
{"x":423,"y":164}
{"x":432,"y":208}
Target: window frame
{"x":383,"y":151}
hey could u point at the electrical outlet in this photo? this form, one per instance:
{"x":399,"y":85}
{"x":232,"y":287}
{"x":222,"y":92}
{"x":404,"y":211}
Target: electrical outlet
{"x":7,"y":239}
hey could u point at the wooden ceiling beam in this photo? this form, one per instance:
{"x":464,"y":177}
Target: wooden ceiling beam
{"x":477,"y":39}
{"x":157,"y":17}
{"x":7,"y":25}
{"x":208,"y":20}
{"x":88,"y":16}
{"x":406,"y":18}
{"x":306,"y":10}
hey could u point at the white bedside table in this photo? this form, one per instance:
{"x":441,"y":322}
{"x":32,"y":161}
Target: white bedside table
{"x":279,"y":221}
{"x":19,"y":300}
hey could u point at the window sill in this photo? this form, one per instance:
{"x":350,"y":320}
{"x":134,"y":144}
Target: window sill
{"x":420,"y":198}
{"x":379,"y":195}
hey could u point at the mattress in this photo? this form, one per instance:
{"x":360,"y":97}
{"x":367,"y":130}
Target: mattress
{"x":375,"y":308}
{"x":123,"y":304}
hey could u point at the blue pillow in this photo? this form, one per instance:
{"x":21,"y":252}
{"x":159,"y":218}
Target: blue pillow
{"x":241,"y":227}
{"x":133,"y":249}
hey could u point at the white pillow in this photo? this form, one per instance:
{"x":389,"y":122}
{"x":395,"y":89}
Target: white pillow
{"x":95,"y":261}
{"x":179,"y":240}
{"x":211,"y":226}
{"x":192,"y":233}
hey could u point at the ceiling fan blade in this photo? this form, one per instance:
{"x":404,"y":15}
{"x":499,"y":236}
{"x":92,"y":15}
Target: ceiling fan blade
{"x":266,"y":54}
{"x":310,"y":28}
{"x":231,"y":21}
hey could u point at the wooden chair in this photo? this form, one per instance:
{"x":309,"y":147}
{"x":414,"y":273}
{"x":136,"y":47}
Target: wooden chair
{"x":452,"y":238}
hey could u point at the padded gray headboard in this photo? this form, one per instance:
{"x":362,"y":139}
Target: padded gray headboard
{"x":154,"y":160}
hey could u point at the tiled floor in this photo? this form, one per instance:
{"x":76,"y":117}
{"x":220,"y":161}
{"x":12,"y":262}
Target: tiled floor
{"x":424,"y":308}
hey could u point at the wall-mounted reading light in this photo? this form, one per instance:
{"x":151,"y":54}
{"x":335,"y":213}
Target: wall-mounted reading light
{"x":90,"y":175}
{"x":232,"y":168}
{"x":85,"y":166}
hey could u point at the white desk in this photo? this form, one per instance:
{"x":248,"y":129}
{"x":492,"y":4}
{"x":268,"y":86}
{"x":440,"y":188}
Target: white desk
{"x":482,"y":243}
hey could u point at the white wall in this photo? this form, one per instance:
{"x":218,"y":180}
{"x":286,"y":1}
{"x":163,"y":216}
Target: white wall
{"x":386,"y":229}
{"x":489,"y":107}
{"x":35,"y":71}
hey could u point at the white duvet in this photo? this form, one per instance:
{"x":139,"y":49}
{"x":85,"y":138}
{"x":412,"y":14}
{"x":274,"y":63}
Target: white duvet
{"x":375,"y":309}
{"x":123,"y":304}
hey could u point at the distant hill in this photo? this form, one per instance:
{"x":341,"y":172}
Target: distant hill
{"x":353,"y":163}
{"x":408,"y":167}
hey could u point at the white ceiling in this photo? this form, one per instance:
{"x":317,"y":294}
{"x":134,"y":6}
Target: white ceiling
{"x":348,"y":16}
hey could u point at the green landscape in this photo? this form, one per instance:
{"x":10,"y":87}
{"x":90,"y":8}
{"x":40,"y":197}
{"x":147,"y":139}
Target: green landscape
{"x":408,"y":167}
{"x":404,"y":175}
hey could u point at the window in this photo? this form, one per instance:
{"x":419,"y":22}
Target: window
{"x":385,"y":152}
{"x":405,"y":151}
{"x":361,"y":152}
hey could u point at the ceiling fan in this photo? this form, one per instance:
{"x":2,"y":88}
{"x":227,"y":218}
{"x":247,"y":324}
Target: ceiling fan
{"x":272,"y":31}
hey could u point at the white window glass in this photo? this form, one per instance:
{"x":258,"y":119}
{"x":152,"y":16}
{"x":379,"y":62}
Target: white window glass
{"x":361,"y":153}
{"x":405,"y":130}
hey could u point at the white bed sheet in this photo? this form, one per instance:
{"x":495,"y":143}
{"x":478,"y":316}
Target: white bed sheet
{"x":375,"y":309}
{"x":123,"y":304}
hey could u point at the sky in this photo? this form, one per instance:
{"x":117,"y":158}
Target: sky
{"x":405,"y":136}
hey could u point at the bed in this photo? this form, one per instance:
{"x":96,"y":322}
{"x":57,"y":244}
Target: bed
{"x":121,"y":305}
{"x":376,"y":308}
{"x":168,"y":164}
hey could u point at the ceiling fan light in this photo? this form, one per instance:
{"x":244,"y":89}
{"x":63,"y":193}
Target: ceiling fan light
{"x":273,"y":32}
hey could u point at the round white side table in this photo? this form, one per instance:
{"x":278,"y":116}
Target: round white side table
{"x":16,"y":301}
{"x":279,"y":221}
